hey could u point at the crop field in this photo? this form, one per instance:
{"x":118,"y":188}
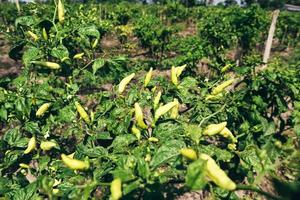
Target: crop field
{"x":149,"y":101}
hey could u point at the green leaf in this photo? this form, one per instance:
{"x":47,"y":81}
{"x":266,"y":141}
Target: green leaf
{"x":14,"y":138}
{"x":89,"y":31}
{"x":60,"y":52}
{"x":122,"y":141}
{"x":27,"y":193}
{"x":4,"y":185}
{"x":193,"y":131}
{"x":92,"y":152}
{"x":195,"y":177}
{"x":98,"y":63}
{"x":26,"y":21}
{"x":212,"y":150}
{"x":129,"y":187}
{"x":251,"y":159}
{"x":167,"y":152}
{"x":3,"y":114}
{"x":29,"y":55}
{"x":32,"y":127}
{"x":288,"y":190}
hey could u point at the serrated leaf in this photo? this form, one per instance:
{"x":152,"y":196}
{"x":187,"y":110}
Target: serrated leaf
{"x":98,"y":63}
{"x":195,"y":177}
{"x":60,"y":52}
{"x":166,"y":152}
{"x":30,"y":55}
{"x":89,"y":31}
{"x":25,"y":21}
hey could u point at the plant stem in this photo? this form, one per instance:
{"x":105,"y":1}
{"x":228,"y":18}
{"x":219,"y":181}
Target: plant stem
{"x":257,"y":190}
{"x":210,"y":116}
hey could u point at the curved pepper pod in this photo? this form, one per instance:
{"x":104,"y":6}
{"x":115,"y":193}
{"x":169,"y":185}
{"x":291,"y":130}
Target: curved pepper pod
{"x":31,"y":145}
{"x":216,"y":174}
{"x":214,"y":129}
{"x":139,"y":116}
{"x":60,"y":11}
{"x":228,"y":134}
{"x":189,"y":153}
{"x":116,"y":189}
{"x":41,"y":111}
{"x":33,"y":35}
{"x":74,"y":163}
{"x":47,"y":145}
{"x":44,"y":33}
{"x":174,"y":77}
{"x":83,"y":114}
{"x":78,"y":56}
{"x":226,"y":68}
{"x":214,"y":97}
{"x":175,"y":73}
{"x":50,"y":65}
{"x":156,"y":100}
{"x":163,"y":110}
{"x":95,"y":43}
{"x":221,"y":87}
{"x":179,"y":70}
{"x":136,"y":132}
{"x":23,"y":165}
{"x":124,"y":82}
{"x":148,"y":77}
{"x":153,"y":139}
{"x":174,"y":110}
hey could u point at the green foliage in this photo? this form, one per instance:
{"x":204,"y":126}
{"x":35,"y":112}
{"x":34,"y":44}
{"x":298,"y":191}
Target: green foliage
{"x":153,"y":34}
{"x":149,"y":168}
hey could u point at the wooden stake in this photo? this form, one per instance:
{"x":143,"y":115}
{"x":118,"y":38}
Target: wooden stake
{"x":270,"y":39}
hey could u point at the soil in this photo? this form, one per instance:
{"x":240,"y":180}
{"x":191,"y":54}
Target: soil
{"x":8,"y":67}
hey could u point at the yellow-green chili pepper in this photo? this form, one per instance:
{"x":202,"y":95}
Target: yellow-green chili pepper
{"x":221,"y":87}
{"x":153,"y":139}
{"x":83,"y":114}
{"x":41,"y":111}
{"x":136,"y":132}
{"x":95,"y":43}
{"x":189,"y":153}
{"x":74,"y":163}
{"x":148,"y":158}
{"x":78,"y":56}
{"x":23,"y":165}
{"x":174,"y":77}
{"x":33,"y":35}
{"x":45,"y":36}
{"x":139,"y":117}
{"x":214,"y":97}
{"x":60,"y":11}
{"x":124,"y":82}
{"x":47,"y":145}
{"x":156,"y":100}
{"x":163,"y":110}
{"x":31,"y":145}
{"x":228,"y":134}
{"x":175,"y":110}
{"x":226,"y":67}
{"x":116,"y":189}
{"x":175,"y":73}
{"x":179,"y":70}
{"x":214,"y":129}
{"x":51,"y":65}
{"x":148,"y":77}
{"x":216,"y":174}
{"x":232,"y":146}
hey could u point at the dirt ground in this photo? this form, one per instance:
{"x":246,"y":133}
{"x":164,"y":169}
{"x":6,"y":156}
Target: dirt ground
{"x":8,"y":67}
